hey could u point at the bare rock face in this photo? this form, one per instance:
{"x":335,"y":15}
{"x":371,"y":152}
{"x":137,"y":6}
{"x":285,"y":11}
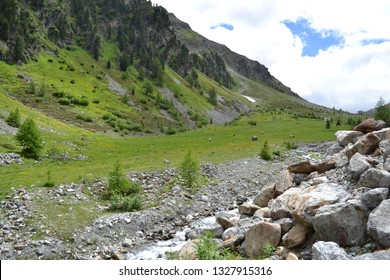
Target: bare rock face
{"x":370,"y":125}
{"x":375,"y":178}
{"x":259,"y":235}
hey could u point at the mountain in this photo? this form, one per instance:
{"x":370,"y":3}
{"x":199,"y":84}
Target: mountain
{"x":128,"y":67}
{"x":238,"y":63}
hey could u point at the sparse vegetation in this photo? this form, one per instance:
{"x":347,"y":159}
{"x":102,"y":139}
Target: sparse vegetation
{"x":207,"y":249}
{"x":189,"y":170}
{"x":265,"y":151}
{"x":123,"y":194}
{"x":14,"y":118}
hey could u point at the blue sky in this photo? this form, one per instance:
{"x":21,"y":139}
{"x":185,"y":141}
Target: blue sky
{"x":313,"y":40}
{"x":327,"y":51}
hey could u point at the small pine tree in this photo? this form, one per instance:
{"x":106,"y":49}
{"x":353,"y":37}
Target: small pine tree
{"x":213,"y":97}
{"x":189,"y":169}
{"x":327,"y":125}
{"x":265,"y":151}
{"x":29,"y":138}
{"x":14,"y":118}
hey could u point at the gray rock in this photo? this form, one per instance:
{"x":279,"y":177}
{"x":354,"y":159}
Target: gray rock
{"x":366,"y":144}
{"x":265,"y":195}
{"x":386,"y":165}
{"x":358,"y":165}
{"x":375,"y":178}
{"x":345,"y":137}
{"x":378,"y":225}
{"x":328,"y":251}
{"x":248,"y":209}
{"x":305,"y":204}
{"x":372,"y":198}
{"x":279,"y":206}
{"x":285,"y":224}
{"x":284,"y":182}
{"x":226,"y":219}
{"x":334,"y":149}
{"x":343,"y":223}
{"x":382,"y":133}
{"x":259,"y":235}
{"x":295,"y":237}
{"x":378,"y":255}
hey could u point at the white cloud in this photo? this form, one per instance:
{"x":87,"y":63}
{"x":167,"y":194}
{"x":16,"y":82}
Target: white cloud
{"x":351,"y":77}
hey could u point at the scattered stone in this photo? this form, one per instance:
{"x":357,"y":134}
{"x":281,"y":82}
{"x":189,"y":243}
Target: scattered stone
{"x":118,"y":256}
{"x":328,"y":251}
{"x":382,"y":134}
{"x":280,"y":206}
{"x":188,"y":251}
{"x":226,"y":219}
{"x":325,"y":166}
{"x":291,"y":257}
{"x":264,"y":212}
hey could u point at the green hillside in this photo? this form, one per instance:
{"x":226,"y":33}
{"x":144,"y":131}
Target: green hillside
{"x":109,"y":81}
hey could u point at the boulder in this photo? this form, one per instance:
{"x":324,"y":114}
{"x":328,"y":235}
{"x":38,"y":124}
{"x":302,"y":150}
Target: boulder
{"x":357,"y":165}
{"x":188,"y":251}
{"x":334,"y":149}
{"x":263,"y":213}
{"x":386,"y":154}
{"x":378,"y":255}
{"x":260,"y":234}
{"x":367,"y":144}
{"x":248,"y":209}
{"x":304,"y":167}
{"x":226,"y":219}
{"x":345,"y":137}
{"x":373,"y":198}
{"x":284,"y":182}
{"x":386,"y":165}
{"x":328,"y":251}
{"x":344,"y":223}
{"x":286,"y":224}
{"x":305,"y":204}
{"x":388,"y":135}
{"x":378,"y":225}
{"x":370,"y":125}
{"x":265,"y":195}
{"x":295,"y":237}
{"x":279,"y":206}
{"x":326,"y":165}
{"x":382,"y":134}
{"x":375,"y":178}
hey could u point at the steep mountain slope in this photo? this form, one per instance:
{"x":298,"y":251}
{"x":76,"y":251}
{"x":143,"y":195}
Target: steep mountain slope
{"x":128,"y":67}
{"x":246,"y":67}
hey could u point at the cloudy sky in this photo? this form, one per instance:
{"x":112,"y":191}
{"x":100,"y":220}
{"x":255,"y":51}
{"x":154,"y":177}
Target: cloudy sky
{"x":331,"y":52}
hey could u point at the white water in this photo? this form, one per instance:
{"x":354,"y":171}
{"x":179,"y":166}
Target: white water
{"x":158,"y":251}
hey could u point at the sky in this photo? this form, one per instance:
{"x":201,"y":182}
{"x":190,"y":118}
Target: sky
{"x":334,"y":53}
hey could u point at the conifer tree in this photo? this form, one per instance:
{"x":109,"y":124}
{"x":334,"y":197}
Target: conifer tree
{"x":29,"y":138}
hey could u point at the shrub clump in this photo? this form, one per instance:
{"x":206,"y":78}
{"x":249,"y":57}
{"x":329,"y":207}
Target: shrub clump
{"x":123,"y":194}
{"x":189,"y":170}
{"x":29,"y":138}
{"x":265,"y":152}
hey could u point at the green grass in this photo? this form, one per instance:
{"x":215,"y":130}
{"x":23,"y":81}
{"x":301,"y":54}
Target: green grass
{"x":148,"y":153}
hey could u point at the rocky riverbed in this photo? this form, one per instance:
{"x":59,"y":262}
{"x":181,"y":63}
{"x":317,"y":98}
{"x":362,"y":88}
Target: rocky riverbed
{"x":321,"y":201}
